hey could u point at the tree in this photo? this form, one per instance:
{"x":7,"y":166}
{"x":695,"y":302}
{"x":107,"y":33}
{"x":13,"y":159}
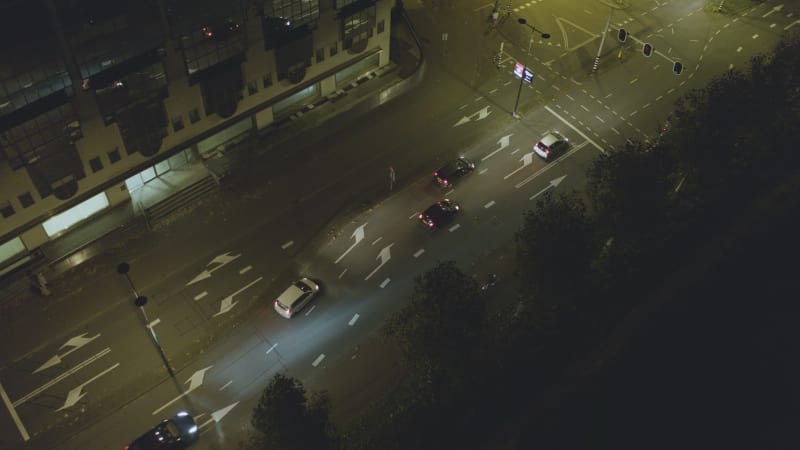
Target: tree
{"x":555,"y":250}
{"x":287,"y":419}
{"x":440,"y":328}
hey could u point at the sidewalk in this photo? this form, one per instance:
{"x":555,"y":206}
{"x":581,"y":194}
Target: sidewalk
{"x":94,"y":250}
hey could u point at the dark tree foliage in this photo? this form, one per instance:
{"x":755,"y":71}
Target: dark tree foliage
{"x":555,"y":250}
{"x":440,"y":328}
{"x":288,"y":419}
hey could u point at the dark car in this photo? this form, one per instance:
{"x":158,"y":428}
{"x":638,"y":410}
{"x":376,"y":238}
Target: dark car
{"x":454,"y":169}
{"x":552,"y":145}
{"x":171,"y":434}
{"x":440,"y":213}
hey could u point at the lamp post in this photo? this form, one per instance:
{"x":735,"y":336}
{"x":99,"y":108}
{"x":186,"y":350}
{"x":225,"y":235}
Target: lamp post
{"x":525,"y":61}
{"x":140,"y":301}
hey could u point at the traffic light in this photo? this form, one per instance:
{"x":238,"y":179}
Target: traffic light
{"x":677,"y":68}
{"x":622,"y":35}
{"x":647,"y":49}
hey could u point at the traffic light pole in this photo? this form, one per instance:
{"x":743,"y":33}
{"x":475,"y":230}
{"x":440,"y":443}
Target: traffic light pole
{"x":602,"y":41}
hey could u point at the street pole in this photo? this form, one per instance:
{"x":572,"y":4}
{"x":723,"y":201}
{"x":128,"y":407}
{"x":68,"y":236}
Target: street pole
{"x":140,"y":301}
{"x":522,"y":21}
{"x":602,"y":41}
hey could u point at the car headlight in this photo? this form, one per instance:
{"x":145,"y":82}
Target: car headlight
{"x":193,"y":430}
{"x":182,"y":414}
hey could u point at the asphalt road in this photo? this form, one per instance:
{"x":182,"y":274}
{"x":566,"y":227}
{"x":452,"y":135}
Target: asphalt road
{"x":96,"y":380}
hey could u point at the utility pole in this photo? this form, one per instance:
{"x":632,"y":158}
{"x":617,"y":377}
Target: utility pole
{"x":522,"y":21}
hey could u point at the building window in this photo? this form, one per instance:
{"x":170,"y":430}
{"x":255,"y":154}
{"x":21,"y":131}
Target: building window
{"x":252,"y":87}
{"x":6,"y":210}
{"x":358,"y":27}
{"x":114,"y":156}
{"x":194,"y":115}
{"x":381,"y":26}
{"x":334,"y":49}
{"x":177,"y":123}
{"x":267,"y":80}
{"x":26,"y":199}
{"x":320,"y":55}
{"x":95,"y":164}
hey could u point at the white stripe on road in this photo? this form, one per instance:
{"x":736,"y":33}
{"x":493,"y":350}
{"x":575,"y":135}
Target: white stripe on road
{"x":309,"y":311}
{"x":14,"y":415}
{"x":385,"y":282}
{"x":419,"y":252}
{"x":455,"y":227}
{"x":66,"y":374}
{"x":318,"y":360}
{"x":489,"y":205}
{"x":413,"y":215}
{"x":353,"y":320}
{"x":245,"y":270}
{"x":287,"y":245}
{"x":200,"y":295}
{"x":226,"y":385}
{"x":272,"y":348}
{"x":342,"y":274}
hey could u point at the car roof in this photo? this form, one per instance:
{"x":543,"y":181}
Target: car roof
{"x":295,"y":291}
{"x":451,"y":167}
{"x":551,"y":138}
{"x":436,"y":210}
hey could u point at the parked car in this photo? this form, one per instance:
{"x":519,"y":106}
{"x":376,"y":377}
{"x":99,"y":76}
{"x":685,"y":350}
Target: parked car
{"x":439,"y":214}
{"x":176,"y":433}
{"x":447,"y":174}
{"x":551,"y":146}
{"x":295,"y":297}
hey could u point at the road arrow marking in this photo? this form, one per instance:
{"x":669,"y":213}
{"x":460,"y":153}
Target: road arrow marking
{"x":228,"y":303}
{"x":385,"y":256}
{"x":526,"y":159}
{"x":217,"y":415}
{"x":55,"y":380}
{"x":773,"y":10}
{"x":553,"y":184}
{"x":481,"y":114}
{"x":504,"y":142}
{"x":358,"y":235}
{"x":220,"y":260}
{"x":75,"y":342}
{"x":195,"y":381}
{"x":75,"y":394}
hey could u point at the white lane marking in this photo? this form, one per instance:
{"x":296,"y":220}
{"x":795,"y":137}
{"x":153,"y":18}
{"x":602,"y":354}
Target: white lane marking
{"x":550,"y":165}
{"x":419,"y":252}
{"x":633,"y":81}
{"x":614,"y":130}
{"x":739,"y":50}
{"x":570,"y":97}
{"x":353,"y":320}
{"x":482,"y":171}
{"x":272,"y":348}
{"x":515,"y":151}
{"x":385,"y":282}
{"x":245,"y":270}
{"x":309,"y":311}
{"x":574,"y":129}
{"x":600,"y":119}
{"x":318,"y":360}
{"x":462,"y":107}
{"x":64,"y":375}
{"x":287,"y":245}
{"x":454,"y":227}
{"x":153,"y":323}
{"x":413,"y":215}
{"x":14,"y":415}
{"x":226,"y":385}
{"x":377,"y":240}
{"x":585,"y":108}
{"x":342,"y":274}
{"x":755,"y":36}
{"x":200,"y":295}
{"x":74,"y":395}
{"x":489,"y":205}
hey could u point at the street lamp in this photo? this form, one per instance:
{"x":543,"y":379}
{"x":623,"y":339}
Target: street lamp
{"x":140,"y":301}
{"x":525,"y":61}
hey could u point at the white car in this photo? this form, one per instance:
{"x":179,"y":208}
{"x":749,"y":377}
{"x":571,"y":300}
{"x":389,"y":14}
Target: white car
{"x":552,"y":145}
{"x":295,"y":297}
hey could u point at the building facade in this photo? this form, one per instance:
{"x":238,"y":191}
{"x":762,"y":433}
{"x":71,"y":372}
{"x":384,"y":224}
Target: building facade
{"x":100,"y":97}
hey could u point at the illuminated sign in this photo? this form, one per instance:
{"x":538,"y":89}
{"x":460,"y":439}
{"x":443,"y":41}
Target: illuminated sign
{"x":518,"y":71}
